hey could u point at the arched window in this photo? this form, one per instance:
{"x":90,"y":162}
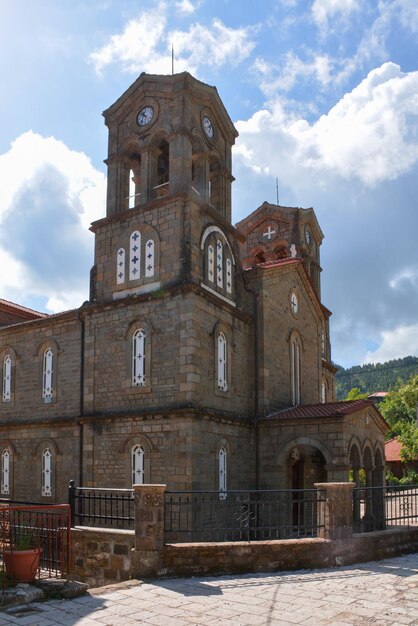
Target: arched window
{"x":222,"y":472}
{"x":323,"y":392}
{"x":47,"y":375}
{"x":46,"y":489}
{"x":7,"y":378}
{"x":132,"y":190}
{"x":218,"y":262}
{"x":211,"y":264}
{"x":138,"y":358}
{"x":295,"y":371}
{"x":5,"y":472}
{"x":135,"y":256}
{"x":323,"y":346}
{"x":138,"y":465}
{"x":222,"y":362}
{"x":120,"y":266}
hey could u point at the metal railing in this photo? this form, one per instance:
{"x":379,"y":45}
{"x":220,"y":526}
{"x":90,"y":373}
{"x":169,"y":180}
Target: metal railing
{"x":380,"y":508}
{"x":42,"y":529}
{"x":243,"y":515}
{"x":101,"y":507}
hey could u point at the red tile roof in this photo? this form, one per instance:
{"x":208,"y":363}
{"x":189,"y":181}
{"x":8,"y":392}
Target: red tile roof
{"x":378,"y":394}
{"x":393,"y":449}
{"x":327,"y":409}
{"x":19,"y":307}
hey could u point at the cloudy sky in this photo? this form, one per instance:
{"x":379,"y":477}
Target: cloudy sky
{"x":324,"y":94}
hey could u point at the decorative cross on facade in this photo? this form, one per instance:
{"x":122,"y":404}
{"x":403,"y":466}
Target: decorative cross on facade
{"x":135,"y":236}
{"x":135,"y":248}
{"x":135,"y":259}
{"x":269,"y":232}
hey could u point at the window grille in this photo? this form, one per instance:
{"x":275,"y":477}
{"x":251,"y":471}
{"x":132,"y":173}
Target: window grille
{"x":46,"y":472}
{"x":222,"y":473}
{"x":222,"y":362}
{"x":229,"y":275}
{"x":138,"y":358}
{"x":47,"y":375}
{"x":5,"y":472}
{"x":7,"y":378}
{"x":135,"y":256}
{"x":138,"y":472}
{"x":120,"y":266}
{"x":149,"y":258}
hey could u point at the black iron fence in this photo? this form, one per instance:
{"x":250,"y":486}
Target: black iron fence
{"x":101,"y":507}
{"x":42,"y":533}
{"x":380,"y":508}
{"x":243,"y":515}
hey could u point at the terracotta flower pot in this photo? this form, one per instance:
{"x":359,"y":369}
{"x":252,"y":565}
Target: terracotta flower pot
{"x":22,"y":565}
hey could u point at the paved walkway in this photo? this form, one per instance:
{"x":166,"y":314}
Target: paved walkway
{"x":377,"y":593}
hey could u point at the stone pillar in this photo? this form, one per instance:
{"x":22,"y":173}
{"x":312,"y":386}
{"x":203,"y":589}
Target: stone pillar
{"x":337,"y":508}
{"x":180,"y":164}
{"x":149,"y":529}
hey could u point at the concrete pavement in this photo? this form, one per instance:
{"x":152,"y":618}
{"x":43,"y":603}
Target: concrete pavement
{"x":377,"y":593}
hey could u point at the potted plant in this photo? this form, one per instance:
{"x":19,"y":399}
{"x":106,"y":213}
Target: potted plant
{"x":23,"y":556}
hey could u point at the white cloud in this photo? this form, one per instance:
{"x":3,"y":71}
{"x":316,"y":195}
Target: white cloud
{"x":292,"y":68}
{"x":397,"y":343}
{"x":324,"y":10}
{"x":145,"y":45}
{"x":406,"y":278}
{"x":49,"y":195}
{"x":186,"y":7}
{"x":370,"y":134}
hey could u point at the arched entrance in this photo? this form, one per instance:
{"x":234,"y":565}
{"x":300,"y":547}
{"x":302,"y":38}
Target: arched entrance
{"x":306,"y":466}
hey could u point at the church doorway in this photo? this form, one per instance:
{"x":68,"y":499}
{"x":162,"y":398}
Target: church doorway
{"x":306,"y":466}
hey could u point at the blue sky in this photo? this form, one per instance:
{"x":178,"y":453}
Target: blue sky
{"x":324,"y":94}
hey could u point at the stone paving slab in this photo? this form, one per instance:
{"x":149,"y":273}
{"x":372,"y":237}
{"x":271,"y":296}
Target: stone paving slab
{"x":381,"y":593}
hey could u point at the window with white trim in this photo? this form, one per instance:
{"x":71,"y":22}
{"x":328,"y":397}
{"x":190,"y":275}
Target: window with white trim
{"x":149,"y":258}
{"x":323,"y":343}
{"x":219,"y":264}
{"x":5,"y":472}
{"x":47,"y":375}
{"x":211,"y":264}
{"x":46,"y":489}
{"x":323,"y":392}
{"x":222,"y":473}
{"x":7,"y":378}
{"x":222,"y":365}
{"x":295,"y":371}
{"x":138,"y":358}
{"x":138,"y":465}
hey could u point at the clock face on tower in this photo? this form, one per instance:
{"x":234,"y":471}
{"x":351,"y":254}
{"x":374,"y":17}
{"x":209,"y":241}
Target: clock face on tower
{"x":145,"y":116}
{"x":208,"y":126}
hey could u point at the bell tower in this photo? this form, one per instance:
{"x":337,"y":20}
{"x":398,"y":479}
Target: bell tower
{"x":169,"y":134}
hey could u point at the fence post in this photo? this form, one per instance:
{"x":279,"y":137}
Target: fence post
{"x":337,"y":510}
{"x":71,"y":501}
{"x":149,"y":529}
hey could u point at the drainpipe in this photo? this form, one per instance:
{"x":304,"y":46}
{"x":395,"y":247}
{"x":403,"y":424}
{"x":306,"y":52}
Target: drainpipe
{"x":81,"y":407}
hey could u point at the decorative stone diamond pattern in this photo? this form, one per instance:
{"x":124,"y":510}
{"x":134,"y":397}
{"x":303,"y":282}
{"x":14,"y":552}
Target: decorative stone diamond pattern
{"x":7,"y":378}
{"x":120,"y":266}
{"x":135,"y":256}
{"x":149,"y":258}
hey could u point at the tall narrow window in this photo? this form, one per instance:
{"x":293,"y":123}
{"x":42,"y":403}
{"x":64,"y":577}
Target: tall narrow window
{"x":47,"y":375}
{"x":222,"y":363}
{"x":120,"y":266}
{"x":211,"y":264}
{"x":46,"y":472}
{"x":132,"y":190}
{"x":134,"y":256}
{"x":229,"y":275}
{"x":324,"y":392}
{"x":5,"y":472}
{"x":222,"y":473}
{"x":295,"y":372}
{"x":7,"y":378}
{"x":323,"y":343}
{"x":219,"y":265}
{"x":138,"y":358}
{"x":149,"y":258}
{"x":138,"y":473}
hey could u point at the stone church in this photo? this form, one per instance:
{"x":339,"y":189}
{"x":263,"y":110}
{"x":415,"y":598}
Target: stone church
{"x":202,"y":357}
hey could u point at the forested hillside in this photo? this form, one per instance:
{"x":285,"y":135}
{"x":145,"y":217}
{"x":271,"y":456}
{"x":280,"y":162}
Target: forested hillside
{"x":375,"y":376}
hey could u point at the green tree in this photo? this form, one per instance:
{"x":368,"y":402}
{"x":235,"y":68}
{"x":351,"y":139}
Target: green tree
{"x":355,"y":394}
{"x":399,"y":408}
